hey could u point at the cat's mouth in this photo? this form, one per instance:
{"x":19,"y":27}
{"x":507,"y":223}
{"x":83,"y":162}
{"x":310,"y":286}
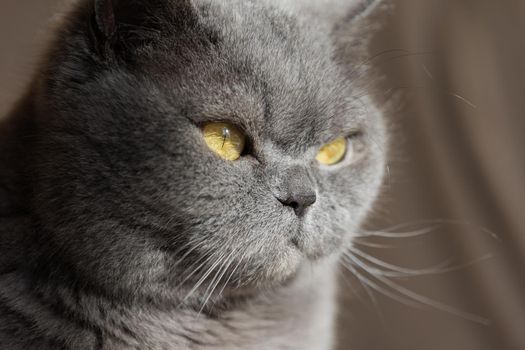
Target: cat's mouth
{"x":313,"y":248}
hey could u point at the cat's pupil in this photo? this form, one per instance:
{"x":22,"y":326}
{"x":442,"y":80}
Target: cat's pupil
{"x":225,"y":135}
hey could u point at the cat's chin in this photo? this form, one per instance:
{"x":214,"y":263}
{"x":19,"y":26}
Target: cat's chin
{"x":285,"y":267}
{"x":281,"y":269}
{"x":315,"y":248}
{"x":289,"y":269}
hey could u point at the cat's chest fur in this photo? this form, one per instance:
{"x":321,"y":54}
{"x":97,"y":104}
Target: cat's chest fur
{"x":301,"y":317}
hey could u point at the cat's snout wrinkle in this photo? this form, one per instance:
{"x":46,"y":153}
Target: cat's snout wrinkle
{"x":296,"y":190}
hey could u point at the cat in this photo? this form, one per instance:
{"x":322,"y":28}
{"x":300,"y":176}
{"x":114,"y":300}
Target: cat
{"x":185,"y":174}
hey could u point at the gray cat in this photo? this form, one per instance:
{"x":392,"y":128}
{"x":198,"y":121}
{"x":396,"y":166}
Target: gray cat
{"x":185,"y":174}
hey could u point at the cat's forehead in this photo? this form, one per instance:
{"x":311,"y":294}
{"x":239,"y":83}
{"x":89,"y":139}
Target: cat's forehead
{"x":277,"y":74}
{"x":266,"y":71}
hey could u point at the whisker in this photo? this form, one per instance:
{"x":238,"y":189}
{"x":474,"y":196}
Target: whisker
{"x":189,"y":251}
{"x":427,"y":72}
{"x":372,"y":297}
{"x":438,"y":223}
{"x":206,"y":260}
{"x":380,"y":289}
{"x":389,"y":234}
{"x":439,"y":269}
{"x":422,"y":300}
{"x":445,"y":92}
{"x":461,"y":98}
{"x":241,"y":259}
{"x":381,"y":54}
{"x":414,"y":54}
{"x":375,"y":302}
{"x":357,"y":241}
{"x":204,"y":276}
{"x":401,"y":271}
{"x":216,"y":280}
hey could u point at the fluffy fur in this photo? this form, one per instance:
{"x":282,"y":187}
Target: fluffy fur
{"x":121,"y":230}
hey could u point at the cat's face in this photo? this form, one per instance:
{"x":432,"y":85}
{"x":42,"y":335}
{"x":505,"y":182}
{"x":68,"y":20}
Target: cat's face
{"x":126,"y":177}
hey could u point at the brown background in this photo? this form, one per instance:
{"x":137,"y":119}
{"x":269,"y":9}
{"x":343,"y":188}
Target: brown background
{"x":457,"y":77}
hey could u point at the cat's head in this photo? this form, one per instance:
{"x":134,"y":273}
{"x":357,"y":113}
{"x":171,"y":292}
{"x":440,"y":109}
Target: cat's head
{"x":185,"y":136}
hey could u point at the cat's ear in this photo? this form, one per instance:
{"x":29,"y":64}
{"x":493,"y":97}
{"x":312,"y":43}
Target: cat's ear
{"x":123,"y":24}
{"x":102,"y":26}
{"x":104,"y":18}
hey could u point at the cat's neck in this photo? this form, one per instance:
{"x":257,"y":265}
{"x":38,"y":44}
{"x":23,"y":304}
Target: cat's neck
{"x":299,"y":313}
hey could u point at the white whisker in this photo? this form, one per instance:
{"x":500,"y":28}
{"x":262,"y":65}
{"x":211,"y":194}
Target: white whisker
{"x":402,"y":271}
{"x":389,"y":234}
{"x":464,"y":99}
{"x":418,"y":298}
{"x":204,"y":276}
{"x":216,"y":280}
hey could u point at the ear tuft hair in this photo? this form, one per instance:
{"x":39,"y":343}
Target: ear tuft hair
{"x":105,"y":17}
{"x":103,"y":26}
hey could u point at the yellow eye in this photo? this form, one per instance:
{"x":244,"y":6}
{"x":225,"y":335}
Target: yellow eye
{"x":333,"y":152}
{"x":224,"y":139}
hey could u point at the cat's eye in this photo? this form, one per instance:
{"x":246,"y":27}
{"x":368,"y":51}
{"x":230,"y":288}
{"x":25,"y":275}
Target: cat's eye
{"x":333,"y":152}
{"x":224,"y":139}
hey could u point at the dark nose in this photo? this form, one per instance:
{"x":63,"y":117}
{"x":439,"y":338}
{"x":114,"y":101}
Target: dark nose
{"x":298,"y":201}
{"x":294,"y":188}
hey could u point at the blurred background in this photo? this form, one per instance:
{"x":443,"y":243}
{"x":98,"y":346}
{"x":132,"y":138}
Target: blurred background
{"x":441,"y":264}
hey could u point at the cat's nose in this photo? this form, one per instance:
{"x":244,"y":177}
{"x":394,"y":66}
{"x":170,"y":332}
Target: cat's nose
{"x":299,"y":202}
{"x":294,"y":188}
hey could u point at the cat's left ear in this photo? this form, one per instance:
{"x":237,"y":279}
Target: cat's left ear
{"x":104,"y":17}
{"x":103,"y":25}
{"x":121,"y":25}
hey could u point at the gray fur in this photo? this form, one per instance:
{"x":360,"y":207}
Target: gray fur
{"x":114,"y":210}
